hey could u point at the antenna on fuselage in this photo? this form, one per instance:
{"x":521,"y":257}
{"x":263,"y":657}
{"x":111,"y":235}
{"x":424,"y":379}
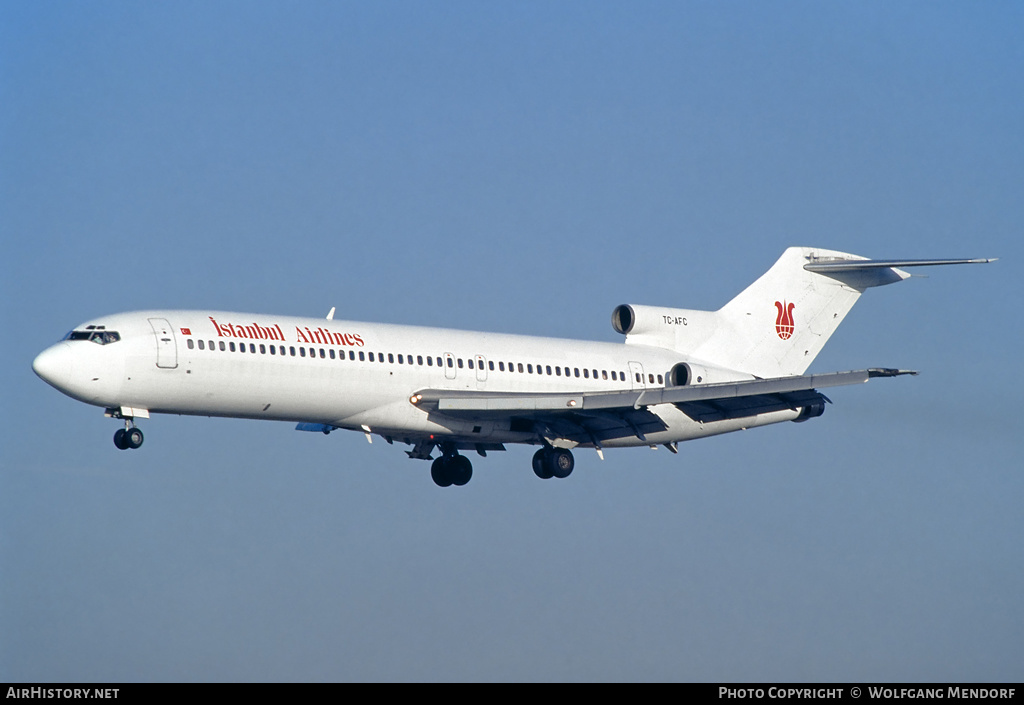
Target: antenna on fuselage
{"x":330,"y":314}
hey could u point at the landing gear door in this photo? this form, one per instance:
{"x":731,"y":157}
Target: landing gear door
{"x":166,"y":347}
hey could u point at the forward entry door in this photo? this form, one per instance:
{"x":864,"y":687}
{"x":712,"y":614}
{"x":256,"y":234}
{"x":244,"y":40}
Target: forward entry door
{"x":166,"y":347}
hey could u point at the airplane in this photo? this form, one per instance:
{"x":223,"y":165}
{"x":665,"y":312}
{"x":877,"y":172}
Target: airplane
{"x":681,"y":374}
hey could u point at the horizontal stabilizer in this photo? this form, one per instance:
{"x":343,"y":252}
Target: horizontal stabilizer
{"x":824,"y":265}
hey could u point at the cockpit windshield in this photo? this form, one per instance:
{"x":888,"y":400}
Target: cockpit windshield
{"x":94,"y":333}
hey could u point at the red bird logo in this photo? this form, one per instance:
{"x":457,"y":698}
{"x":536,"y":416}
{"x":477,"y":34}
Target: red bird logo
{"x":784,"y":321}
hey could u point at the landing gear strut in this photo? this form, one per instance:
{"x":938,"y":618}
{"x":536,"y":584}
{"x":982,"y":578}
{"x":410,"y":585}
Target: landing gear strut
{"x":553,"y":462}
{"x":451,"y":469}
{"x":128,"y":438}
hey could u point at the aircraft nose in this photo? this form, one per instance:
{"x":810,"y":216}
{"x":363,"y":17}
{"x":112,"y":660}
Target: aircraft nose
{"x":55,"y":365}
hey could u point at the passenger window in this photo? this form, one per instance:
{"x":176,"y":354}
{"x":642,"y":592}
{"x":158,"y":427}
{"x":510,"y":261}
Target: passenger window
{"x":273,"y":350}
{"x":292,"y":350}
{"x":470,"y":362}
{"x":549,"y":369}
{"x":263,"y":349}
{"x":501,"y":366}
{"x":586,"y":373}
{"x":221,"y":346}
{"x":380,"y":357}
{"x":352,"y":355}
{"x":558,"y":370}
{"x":401,"y":360}
{"x":430,"y":361}
{"x":451,"y":363}
{"x":659,"y":380}
{"x":604,"y":374}
{"x":362,"y":356}
{"x":302,"y":352}
{"x":650,"y":377}
{"x":419,"y":359}
{"x":190,"y":344}
{"x":231,"y":346}
{"x":371,"y":357}
{"x":391,"y":358}
{"x":332,"y":353}
{"x":529,"y":368}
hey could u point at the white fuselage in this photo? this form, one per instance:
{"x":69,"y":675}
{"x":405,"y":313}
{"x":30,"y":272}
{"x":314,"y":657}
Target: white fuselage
{"x":348,"y":374}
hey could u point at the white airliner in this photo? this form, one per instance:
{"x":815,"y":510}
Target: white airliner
{"x":682,"y":374}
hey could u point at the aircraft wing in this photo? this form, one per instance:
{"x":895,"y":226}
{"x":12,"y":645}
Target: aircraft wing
{"x":597,"y":416}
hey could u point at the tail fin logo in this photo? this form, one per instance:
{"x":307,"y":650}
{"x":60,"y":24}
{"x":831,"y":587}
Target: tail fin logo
{"x":784,"y":321}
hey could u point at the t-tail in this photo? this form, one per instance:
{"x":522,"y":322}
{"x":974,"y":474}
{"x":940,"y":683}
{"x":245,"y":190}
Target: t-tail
{"x":777,"y":325}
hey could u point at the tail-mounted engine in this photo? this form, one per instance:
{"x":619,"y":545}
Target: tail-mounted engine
{"x":674,"y":328}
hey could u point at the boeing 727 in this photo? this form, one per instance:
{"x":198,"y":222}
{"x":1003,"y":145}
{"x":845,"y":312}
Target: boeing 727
{"x":681,"y":374}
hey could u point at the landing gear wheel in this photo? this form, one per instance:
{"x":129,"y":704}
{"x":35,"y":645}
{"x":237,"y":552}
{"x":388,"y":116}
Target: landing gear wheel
{"x":541,"y":468}
{"x":451,"y":470}
{"x":461,"y":470}
{"x":561,"y":462}
{"x":133,"y":437}
{"x":439,"y":472}
{"x":119,"y":440}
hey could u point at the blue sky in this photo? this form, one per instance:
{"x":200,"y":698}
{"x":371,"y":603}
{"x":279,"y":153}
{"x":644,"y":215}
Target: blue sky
{"x":520,"y":167}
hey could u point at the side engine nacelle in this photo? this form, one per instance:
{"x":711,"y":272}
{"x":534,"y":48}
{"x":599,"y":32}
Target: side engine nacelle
{"x":679,"y":329}
{"x":687,"y":373}
{"x":811,"y":411}
{"x":675,"y":328}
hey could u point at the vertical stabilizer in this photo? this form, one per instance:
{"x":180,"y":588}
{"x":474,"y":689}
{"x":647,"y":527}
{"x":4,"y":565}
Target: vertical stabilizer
{"x":779,"y":324}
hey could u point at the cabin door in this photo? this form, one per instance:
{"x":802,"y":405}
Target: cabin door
{"x":166,"y":347}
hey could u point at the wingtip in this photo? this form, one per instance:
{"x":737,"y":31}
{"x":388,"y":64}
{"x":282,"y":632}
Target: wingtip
{"x":889,"y":372}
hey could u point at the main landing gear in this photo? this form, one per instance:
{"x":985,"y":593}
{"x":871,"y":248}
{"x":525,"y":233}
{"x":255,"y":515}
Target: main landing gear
{"x":128,"y":437}
{"x":454,"y":469}
{"x":451,"y":469}
{"x":553,"y":462}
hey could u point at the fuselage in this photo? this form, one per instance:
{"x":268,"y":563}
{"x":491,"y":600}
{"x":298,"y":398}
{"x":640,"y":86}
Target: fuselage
{"x":347,"y":374}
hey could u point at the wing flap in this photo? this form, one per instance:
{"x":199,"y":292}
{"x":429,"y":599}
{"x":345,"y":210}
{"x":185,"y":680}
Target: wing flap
{"x":624,"y":413}
{"x":740,"y":407}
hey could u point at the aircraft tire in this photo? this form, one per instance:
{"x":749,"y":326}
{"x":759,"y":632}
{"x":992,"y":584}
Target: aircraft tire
{"x":541,"y":466}
{"x":461,"y":470}
{"x":440,"y":472}
{"x":561,"y":462}
{"x":119,"y":440}
{"x":133,"y":438}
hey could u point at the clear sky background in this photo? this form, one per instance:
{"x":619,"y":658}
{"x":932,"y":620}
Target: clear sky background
{"x":520,"y":167}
